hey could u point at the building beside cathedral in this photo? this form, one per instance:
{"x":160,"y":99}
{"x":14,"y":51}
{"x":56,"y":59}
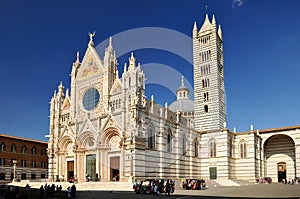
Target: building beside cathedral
{"x":106,"y":127}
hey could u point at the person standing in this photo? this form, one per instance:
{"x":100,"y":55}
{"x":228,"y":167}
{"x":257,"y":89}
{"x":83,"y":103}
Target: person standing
{"x":73,"y":191}
{"x":168,"y":188}
{"x":155,"y":190}
{"x":69,"y":192}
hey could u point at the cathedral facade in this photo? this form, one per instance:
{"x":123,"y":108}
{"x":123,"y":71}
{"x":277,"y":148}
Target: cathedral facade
{"x":105,"y":127}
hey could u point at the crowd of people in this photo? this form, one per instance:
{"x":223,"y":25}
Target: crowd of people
{"x":49,"y":191}
{"x":193,"y":184}
{"x":290,"y":181}
{"x":12,"y":192}
{"x":155,"y":187}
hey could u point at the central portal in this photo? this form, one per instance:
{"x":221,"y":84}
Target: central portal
{"x":91,"y":167}
{"x":115,"y":168}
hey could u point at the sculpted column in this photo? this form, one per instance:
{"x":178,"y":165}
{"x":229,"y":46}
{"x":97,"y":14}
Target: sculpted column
{"x":75,"y":163}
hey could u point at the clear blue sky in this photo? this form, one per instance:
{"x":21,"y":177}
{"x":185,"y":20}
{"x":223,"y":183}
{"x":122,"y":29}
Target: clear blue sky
{"x":39,"y":41}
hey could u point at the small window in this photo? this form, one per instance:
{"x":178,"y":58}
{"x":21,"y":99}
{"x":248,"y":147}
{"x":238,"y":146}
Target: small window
{"x":206,"y":109}
{"x":43,"y":152}
{"x":243,"y":149}
{"x":212,"y":148}
{"x":206,"y":96}
{"x":2,"y":176}
{"x":183,"y":145}
{"x":33,"y":176}
{"x":33,"y":150}
{"x":151,"y":139}
{"x":2,"y":161}
{"x":33,"y":164}
{"x":23,"y":176}
{"x":13,"y":148}
{"x":23,"y":163}
{"x":169,"y":141}
{"x":196,"y":148}
{"x":23,"y":149}
{"x":43,"y":164}
{"x":2,"y":146}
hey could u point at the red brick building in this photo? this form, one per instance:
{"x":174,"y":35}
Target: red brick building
{"x":31,"y":157}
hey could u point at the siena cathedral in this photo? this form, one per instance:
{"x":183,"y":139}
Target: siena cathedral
{"x":105,"y":127}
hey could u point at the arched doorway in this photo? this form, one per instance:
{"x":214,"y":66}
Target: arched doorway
{"x":279,"y":161}
{"x":87,"y":156}
{"x":281,"y":170}
{"x":65,"y":167}
{"x":112,"y":154}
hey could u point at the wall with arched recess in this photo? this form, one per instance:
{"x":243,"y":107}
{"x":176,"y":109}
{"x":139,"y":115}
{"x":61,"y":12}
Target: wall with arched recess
{"x":279,"y":148}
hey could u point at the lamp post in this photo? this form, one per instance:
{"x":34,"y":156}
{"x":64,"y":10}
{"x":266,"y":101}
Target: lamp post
{"x":14,"y":168}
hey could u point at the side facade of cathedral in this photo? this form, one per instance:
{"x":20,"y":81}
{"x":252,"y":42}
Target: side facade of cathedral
{"x":105,"y":127}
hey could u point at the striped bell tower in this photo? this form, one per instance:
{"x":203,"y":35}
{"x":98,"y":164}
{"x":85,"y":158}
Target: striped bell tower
{"x":209,"y":91}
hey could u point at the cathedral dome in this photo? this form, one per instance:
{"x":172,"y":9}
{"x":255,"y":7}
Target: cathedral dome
{"x":183,"y":103}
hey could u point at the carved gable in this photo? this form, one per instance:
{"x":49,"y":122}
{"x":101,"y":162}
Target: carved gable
{"x":91,"y":64}
{"x":66,"y":103}
{"x":88,"y":126}
{"x":111,"y":122}
{"x":116,"y":87}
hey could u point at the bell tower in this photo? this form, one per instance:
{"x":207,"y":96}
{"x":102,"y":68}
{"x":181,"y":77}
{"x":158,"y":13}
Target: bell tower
{"x":209,"y":91}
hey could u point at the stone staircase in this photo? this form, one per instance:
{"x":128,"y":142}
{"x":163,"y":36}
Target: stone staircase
{"x":218,"y":183}
{"x":105,"y":186}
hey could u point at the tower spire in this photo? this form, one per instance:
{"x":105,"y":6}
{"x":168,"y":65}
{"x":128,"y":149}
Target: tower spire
{"x":77,"y":57}
{"x":110,"y":41}
{"x":117,"y":73}
{"x":125,"y":68}
{"x":206,"y":25}
{"x":213,"y":20}
{"x":195,"y":26}
{"x":182,"y":81}
{"x":220,"y":32}
{"x":131,"y":62}
{"x":60,"y":89}
{"x":206,"y":18}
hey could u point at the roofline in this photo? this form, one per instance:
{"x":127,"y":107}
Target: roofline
{"x":268,"y":130}
{"x":21,"y":138}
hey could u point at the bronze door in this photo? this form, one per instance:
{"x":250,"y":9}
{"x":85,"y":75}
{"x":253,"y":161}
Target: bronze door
{"x":70,"y":170}
{"x":115,"y":168}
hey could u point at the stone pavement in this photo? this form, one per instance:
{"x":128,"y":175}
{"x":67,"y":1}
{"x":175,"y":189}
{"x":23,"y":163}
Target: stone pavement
{"x":256,"y":191}
{"x":95,"y":190}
